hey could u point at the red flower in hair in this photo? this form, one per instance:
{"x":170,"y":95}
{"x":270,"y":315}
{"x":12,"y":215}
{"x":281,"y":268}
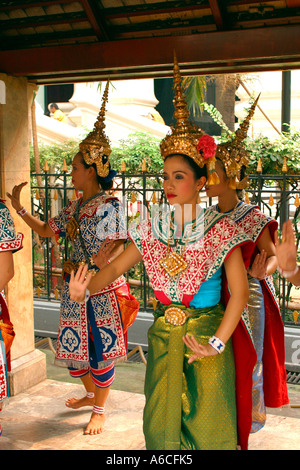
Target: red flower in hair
{"x":207,"y":146}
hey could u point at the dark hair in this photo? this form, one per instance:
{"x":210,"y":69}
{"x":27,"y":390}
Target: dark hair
{"x":105,"y":183}
{"x":198,"y":172}
{"x":53,"y":105}
{"x":241,"y":192}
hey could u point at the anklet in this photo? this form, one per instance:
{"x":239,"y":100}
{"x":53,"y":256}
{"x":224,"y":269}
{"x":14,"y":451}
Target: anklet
{"x":99,"y":410}
{"x":90,"y":395}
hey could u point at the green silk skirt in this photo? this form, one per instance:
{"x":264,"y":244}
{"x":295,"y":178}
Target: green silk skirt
{"x":189,"y":406}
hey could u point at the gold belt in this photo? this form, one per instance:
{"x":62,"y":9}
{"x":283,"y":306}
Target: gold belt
{"x":176,"y":316}
{"x":70,"y":266}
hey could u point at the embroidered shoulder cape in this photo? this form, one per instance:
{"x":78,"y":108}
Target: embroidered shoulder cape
{"x":253,"y":222}
{"x":205,"y":246}
{"x":100,"y":218}
{"x":215,"y":236}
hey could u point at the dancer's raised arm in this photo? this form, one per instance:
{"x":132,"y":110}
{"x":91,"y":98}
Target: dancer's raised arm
{"x":120,"y":265}
{"x":41,"y":228}
{"x":286,"y":252}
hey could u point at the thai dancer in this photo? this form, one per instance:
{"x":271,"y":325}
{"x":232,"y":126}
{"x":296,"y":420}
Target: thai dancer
{"x":269,"y":374}
{"x":192,"y":399}
{"x":93,"y":336}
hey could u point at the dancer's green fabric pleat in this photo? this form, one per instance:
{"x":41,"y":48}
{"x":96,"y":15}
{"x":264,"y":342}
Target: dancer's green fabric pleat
{"x":184,"y":401}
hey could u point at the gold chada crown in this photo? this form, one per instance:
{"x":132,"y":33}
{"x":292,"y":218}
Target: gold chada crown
{"x":95,"y":148}
{"x":186,"y":138}
{"x":233,"y":153}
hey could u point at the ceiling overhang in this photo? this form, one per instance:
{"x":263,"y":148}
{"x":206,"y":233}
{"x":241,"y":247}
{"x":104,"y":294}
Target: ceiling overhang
{"x":207,"y":36}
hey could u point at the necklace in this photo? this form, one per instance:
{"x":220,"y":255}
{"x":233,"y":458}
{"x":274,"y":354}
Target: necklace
{"x":174,"y":263}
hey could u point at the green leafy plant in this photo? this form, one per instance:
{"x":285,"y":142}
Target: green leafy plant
{"x":271,"y":152}
{"x":55,"y":154}
{"x":136,"y":148}
{"x":218,"y":118}
{"x":195,"y":90}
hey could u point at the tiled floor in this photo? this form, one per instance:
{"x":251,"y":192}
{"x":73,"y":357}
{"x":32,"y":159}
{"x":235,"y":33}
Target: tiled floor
{"x":39,"y":420}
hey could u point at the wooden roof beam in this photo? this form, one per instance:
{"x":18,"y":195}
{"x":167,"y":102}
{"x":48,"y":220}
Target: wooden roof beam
{"x":96,"y":23}
{"x":216,"y":52}
{"x":24,"y":5}
{"x":151,"y":9}
{"x":219,"y":13}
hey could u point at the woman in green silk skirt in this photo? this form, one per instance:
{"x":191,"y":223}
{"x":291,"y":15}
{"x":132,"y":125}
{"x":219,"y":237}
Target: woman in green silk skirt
{"x":189,"y":405}
{"x":190,"y":378}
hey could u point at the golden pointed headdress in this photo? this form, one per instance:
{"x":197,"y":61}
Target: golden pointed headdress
{"x":95,"y":148}
{"x":187,"y":138}
{"x":233,"y":153}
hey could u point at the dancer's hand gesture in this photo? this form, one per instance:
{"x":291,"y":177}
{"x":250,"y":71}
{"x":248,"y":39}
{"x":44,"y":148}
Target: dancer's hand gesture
{"x":286,"y":250}
{"x":259,"y":266}
{"x":103,"y":256}
{"x":79,"y":283}
{"x":15,"y":196}
{"x":199,"y":350}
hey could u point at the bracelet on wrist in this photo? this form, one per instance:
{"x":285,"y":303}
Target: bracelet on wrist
{"x":22,"y":212}
{"x":286,"y":274}
{"x":217,"y":344}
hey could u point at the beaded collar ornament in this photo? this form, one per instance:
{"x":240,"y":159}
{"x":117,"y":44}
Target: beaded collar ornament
{"x":234,"y":155}
{"x":95,"y":148}
{"x":174,"y":263}
{"x":185,"y":137}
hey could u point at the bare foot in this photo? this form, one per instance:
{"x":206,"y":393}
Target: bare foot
{"x":76,"y":403}
{"x":96,"y":424}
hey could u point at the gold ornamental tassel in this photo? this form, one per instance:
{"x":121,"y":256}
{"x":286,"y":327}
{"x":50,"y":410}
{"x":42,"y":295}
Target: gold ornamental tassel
{"x":233,"y":182}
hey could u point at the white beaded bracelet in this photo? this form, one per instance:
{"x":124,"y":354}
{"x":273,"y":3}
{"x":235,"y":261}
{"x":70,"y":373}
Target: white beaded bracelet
{"x":286,"y":274}
{"x":22,"y":212}
{"x":217,"y":344}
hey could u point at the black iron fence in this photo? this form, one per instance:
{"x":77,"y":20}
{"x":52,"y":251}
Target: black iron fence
{"x":276,"y":195}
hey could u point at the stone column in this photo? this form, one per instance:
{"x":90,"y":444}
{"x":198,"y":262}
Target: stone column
{"x":28,"y":365}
